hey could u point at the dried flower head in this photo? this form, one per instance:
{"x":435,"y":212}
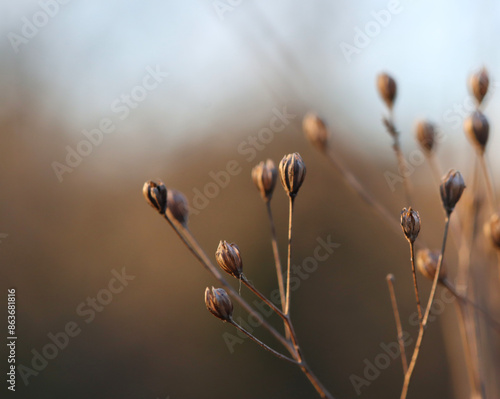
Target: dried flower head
{"x":477,"y":128}
{"x":218,"y":303}
{"x":264,"y":176}
{"x":229,"y":258}
{"x":410,"y":223}
{"x":426,"y":135}
{"x":315,"y":130}
{"x":479,"y":83}
{"x":387,"y":89}
{"x":156,"y":195}
{"x":427,"y":262}
{"x":451,"y":189}
{"x":177,"y":206}
{"x":493,"y":229}
{"x":292,"y":173}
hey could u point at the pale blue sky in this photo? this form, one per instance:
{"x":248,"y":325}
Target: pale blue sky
{"x":91,"y":52}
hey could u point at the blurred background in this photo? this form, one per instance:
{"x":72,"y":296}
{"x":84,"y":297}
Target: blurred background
{"x":98,"y":97}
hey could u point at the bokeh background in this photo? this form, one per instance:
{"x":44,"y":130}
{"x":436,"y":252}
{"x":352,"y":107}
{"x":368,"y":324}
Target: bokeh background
{"x":230,"y":65}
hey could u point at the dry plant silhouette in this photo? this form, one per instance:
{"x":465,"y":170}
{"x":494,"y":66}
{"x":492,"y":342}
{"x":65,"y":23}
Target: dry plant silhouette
{"x":473,"y":227}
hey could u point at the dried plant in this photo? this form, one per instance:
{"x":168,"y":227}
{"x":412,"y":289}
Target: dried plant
{"x":460,"y":223}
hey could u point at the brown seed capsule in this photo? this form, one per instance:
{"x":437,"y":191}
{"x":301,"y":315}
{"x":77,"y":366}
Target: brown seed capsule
{"x":177,"y":206}
{"x":493,"y":229}
{"x":426,"y":135}
{"x":156,"y":195}
{"x":451,"y":189}
{"x":292,"y":173}
{"x":477,"y":128}
{"x":387,"y":89}
{"x":479,"y":83}
{"x":264,"y":176}
{"x":410,"y":223}
{"x":315,"y":131}
{"x":218,"y":303}
{"x":427,"y":262}
{"x":229,"y":259}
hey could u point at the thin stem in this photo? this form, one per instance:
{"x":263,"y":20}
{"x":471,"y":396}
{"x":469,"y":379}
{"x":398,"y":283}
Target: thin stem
{"x":402,"y":167}
{"x":288,"y":269}
{"x":399,"y":328}
{"x":352,"y":181}
{"x":262,"y":344}
{"x":489,"y":186}
{"x":466,"y":301}
{"x":277,"y":261}
{"x":471,"y":369}
{"x":188,"y":239}
{"x":423,"y":325}
{"x":417,"y":297}
{"x":286,"y":318}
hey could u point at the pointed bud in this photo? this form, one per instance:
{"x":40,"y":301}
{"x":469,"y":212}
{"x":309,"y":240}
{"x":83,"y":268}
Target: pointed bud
{"x":410,"y":223}
{"x":426,"y":135}
{"x":451,"y":189}
{"x":387,"y":89}
{"x":156,"y":195}
{"x":229,"y":258}
{"x":315,"y":131}
{"x":477,"y":128}
{"x":177,"y":206}
{"x":479,"y":83}
{"x":292,"y":173}
{"x":493,"y":229}
{"x":218,"y":303}
{"x":427,"y":262}
{"x":264,"y":176}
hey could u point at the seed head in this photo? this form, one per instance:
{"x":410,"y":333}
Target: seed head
{"x":451,"y":189}
{"x":426,"y":135}
{"x":218,"y":303}
{"x":427,"y":262}
{"x":410,"y":223}
{"x":156,"y":195}
{"x":177,"y":206}
{"x":479,"y":83}
{"x":229,"y":259}
{"x":477,"y":128}
{"x":315,"y":131}
{"x":387,"y":89}
{"x":264,"y":176}
{"x":493,"y":229}
{"x":292,"y":173}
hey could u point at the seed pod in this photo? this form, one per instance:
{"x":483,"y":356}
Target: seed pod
{"x":387,"y":89}
{"x":451,"y":189}
{"x":156,"y":195}
{"x":477,"y":128}
{"x":426,"y":135}
{"x":264,"y":176}
{"x":218,"y":303}
{"x":493,"y":229}
{"x":427,"y":262}
{"x":292,"y":173}
{"x":479,"y":83}
{"x":229,"y":259}
{"x":177,"y":206}
{"x":315,"y":131}
{"x":410,"y":223}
